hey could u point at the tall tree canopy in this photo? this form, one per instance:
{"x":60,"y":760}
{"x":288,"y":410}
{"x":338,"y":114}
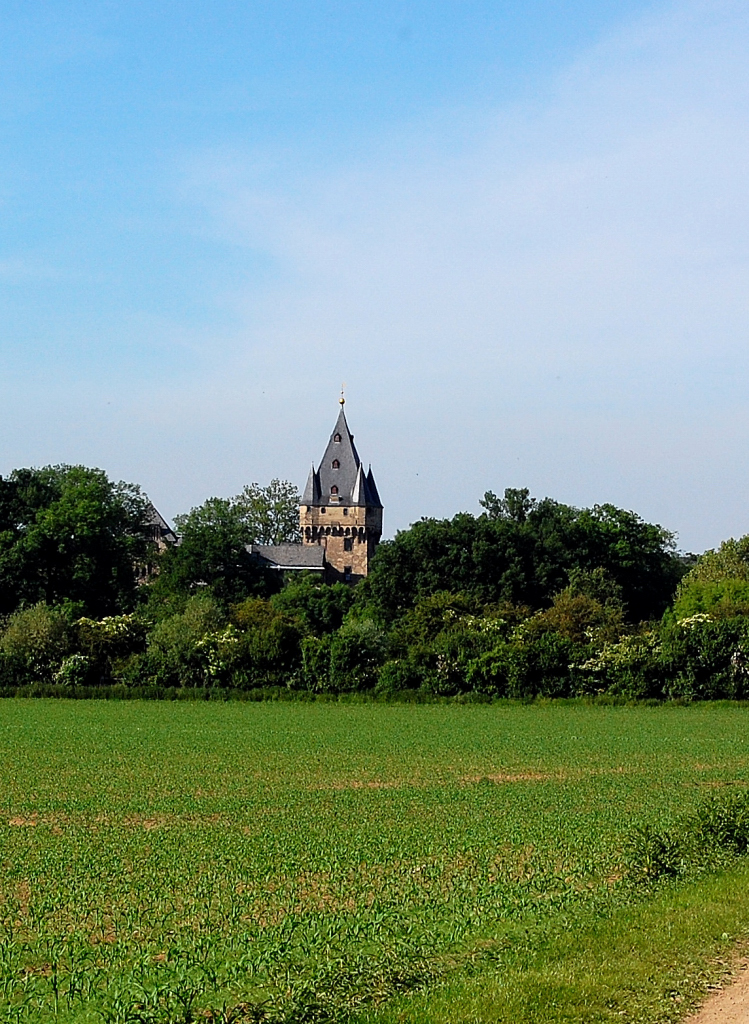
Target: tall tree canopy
{"x":522,"y":550}
{"x":213,"y":542}
{"x":68,"y":533}
{"x":717,"y":583}
{"x":270,"y":515}
{"x":212,"y":554}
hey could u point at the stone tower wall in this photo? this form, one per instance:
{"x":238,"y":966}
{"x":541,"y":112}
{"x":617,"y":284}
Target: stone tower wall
{"x":349,"y":534}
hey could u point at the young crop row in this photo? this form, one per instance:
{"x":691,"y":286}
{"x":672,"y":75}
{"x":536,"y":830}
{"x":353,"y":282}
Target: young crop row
{"x":166,"y":864}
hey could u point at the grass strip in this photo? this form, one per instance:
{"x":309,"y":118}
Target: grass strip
{"x":648,"y":963}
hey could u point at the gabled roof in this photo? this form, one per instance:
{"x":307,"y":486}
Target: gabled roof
{"x":289,"y":556}
{"x":155,"y":522}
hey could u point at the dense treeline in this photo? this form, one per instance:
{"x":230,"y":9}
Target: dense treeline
{"x":529,"y":598}
{"x":521,"y":552}
{"x":68,"y":536}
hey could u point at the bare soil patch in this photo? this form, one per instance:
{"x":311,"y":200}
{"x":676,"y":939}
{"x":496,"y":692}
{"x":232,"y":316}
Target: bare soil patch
{"x":501,"y":777}
{"x":359,"y":784}
{"x":729,"y":1005}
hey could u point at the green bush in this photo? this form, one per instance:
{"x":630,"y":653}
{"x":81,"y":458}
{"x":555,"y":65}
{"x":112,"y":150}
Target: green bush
{"x":542,"y":665}
{"x":453,"y":651}
{"x":723,"y":821}
{"x":357,"y":651}
{"x":398,"y":676}
{"x":435,"y":644}
{"x":269,"y":654}
{"x":315,"y":663}
{"x":705,"y":659}
{"x":491,"y":672}
{"x":319,"y":607}
{"x":174,"y":657}
{"x":34,"y":642}
{"x":652,"y":853}
{"x":715,"y":832}
{"x":632,"y":667}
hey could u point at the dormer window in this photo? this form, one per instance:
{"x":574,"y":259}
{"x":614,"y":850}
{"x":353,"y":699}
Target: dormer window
{"x":336,"y":464}
{"x":334,"y":489}
{"x":336,"y":437}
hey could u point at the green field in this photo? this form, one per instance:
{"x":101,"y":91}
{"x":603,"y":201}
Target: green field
{"x":327,"y":862}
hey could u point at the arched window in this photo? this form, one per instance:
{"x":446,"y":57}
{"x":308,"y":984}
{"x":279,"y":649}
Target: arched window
{"x":336,"y":464}
{"x":337,"y":437}
{"x":334,"y":489}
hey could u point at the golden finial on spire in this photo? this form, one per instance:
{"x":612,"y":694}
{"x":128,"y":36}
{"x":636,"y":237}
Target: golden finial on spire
{"x":342,"y":399}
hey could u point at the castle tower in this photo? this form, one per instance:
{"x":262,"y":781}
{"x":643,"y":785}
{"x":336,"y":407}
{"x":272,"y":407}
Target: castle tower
{"x":341,"y":510}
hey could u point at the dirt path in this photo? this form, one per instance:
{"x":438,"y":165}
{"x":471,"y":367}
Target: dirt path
{"x":730,"y":1005}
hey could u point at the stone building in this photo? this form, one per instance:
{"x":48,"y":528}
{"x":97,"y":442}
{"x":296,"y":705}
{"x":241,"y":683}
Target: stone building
{"x":158,"y":530}
{"x":340,"y":516}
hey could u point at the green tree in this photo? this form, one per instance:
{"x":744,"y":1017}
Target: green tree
{"x":270,"y":514}
{"x":320,"y":607}
{"x":34,"y":642}
{"x":214,"y":538}
{"x":69,"y":534}
{"x":212,"y":554}
{"x":721,"y":599}
{"x":730,"y":561}
{"x":522,"y":551}
{"x":717,"y":584}
{"x":515,"y":505}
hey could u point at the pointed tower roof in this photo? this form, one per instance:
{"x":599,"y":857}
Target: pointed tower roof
{"x":339,"y":465}
{"x":340,"y":478}
{"x":374,"y":497}
{"x":311,"y":494}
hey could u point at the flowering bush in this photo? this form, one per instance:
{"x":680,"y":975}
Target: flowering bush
{"x":705,"y":658}
{"x":75,"y":670}
{"x":630,"y":667}
{"x":219,"y":651}
{"x":112,"y":636}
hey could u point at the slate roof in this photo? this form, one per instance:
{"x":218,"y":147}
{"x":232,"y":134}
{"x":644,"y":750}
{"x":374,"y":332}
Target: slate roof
{"x":311,"y":494}
{"x":289,"y":556}
{"x":162,"y":531}
{"x":372,"y":488}
{"x":341,"y":467}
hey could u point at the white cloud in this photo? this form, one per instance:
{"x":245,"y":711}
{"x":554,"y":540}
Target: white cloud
{"x":561,"y":301}
{"x":552,"y":294}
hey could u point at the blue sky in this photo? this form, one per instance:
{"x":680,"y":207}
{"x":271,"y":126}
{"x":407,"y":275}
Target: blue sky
{"x":517,"y":231}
